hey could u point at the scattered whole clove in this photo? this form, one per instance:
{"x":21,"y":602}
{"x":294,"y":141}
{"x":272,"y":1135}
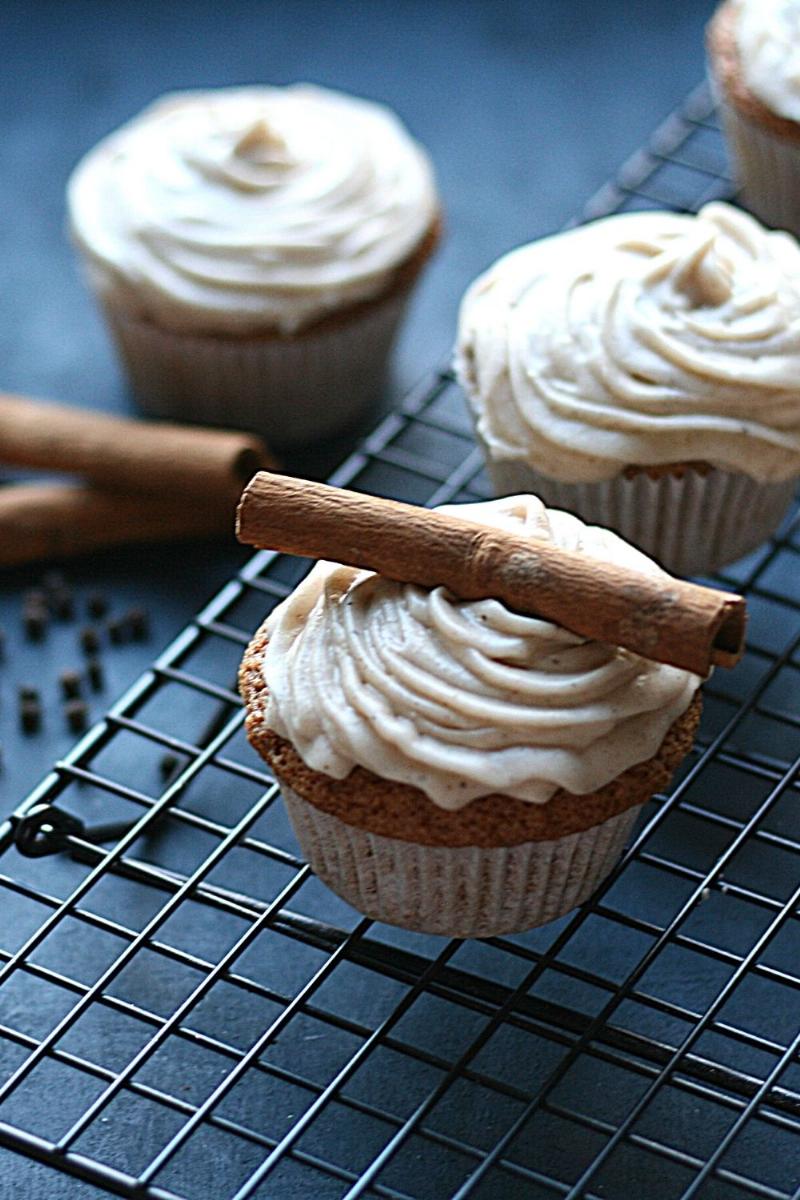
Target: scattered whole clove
{"x":70,"y":682}
{"x":77,"y":714}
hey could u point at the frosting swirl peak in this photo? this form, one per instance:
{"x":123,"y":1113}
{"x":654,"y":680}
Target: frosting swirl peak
{"x":464,"y":698}
{"x":641,"y":339}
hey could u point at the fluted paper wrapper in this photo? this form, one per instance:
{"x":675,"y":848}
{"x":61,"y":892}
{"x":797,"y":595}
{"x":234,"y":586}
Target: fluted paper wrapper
{"x":288,"y":389}
{"x":767,"y":168}
{"x":690,"y":525}
{"x":459,"y":891}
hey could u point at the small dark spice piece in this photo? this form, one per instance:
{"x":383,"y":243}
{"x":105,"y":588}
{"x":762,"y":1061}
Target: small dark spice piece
{"x":168,"y":765}
{"x":90,"y":641}
{"x":117,"y":631}
{"x":94,"y":672}
{"x":138,"y":624}
{"x":97,"y":606}
{"x":70,"y":684}
{"x":30,"y":716}
{"x":77,"y":715}
{"x":35,"y":621}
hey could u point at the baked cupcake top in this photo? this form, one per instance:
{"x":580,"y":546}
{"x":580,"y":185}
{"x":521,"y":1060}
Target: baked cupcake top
{"x":464,"y":698}
{"x":767,"y":34}
{"x":637,"y":340}
{"x":251,"y":208}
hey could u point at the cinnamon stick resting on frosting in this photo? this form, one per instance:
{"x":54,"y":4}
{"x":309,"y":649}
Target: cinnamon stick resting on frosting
{"x":55,"y":520}
{"x":659,"y":617}
{"x":137,"y":456}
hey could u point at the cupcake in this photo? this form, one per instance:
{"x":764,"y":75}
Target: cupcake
{"x":643,"y":372}
{"x":754,"y":63}
{"x":253,"y":250}
{"x":452,"y":766}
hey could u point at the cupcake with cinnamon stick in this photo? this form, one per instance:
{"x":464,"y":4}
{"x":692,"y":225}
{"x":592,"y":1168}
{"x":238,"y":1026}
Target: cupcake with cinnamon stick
{"x":643,"y":372}
{"x":449,"y":762}
{"x":253,"y":250}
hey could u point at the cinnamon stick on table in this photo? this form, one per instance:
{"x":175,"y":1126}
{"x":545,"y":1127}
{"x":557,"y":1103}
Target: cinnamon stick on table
{"x":659,"y":617}
{"x":130,"y":455}
{"x":39,"y":521}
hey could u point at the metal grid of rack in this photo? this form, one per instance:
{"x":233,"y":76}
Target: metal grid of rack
{"x":212,"y":1023}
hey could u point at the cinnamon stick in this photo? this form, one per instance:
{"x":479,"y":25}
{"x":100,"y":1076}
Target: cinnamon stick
{"x":660,"y":618}
{"x":132,"y":455}
{"x":54,"y":520}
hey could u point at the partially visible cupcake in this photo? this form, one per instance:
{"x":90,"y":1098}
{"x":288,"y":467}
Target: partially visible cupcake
{"x":452,"y":766}
{"x":643,"y":371}
{"x":754,"y":63}
{"x":253,"y":250}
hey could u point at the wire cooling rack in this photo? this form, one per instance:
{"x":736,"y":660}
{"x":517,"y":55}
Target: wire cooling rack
{"x":187,"y":1012}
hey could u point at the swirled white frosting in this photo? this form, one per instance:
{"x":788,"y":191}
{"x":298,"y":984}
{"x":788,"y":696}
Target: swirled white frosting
{"x":254,"y":207}
{"x":464,"y":698}
{"x":767,"y":36}
{"x":641,"y":339}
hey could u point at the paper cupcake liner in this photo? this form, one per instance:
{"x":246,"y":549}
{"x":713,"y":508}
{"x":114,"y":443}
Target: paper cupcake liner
{"x":767,"y":167}
{"x":459,"y":891}
{"x":288,"y":389}
{"x":690,"y":525}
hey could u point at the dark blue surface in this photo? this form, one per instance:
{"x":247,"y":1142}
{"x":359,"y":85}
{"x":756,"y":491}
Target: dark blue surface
{"x":526,"y":109}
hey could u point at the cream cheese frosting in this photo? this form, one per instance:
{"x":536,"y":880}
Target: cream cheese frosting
{"x":464,"y":698}
{"x":767,"y":36}
{"x":640,"y":339}
{"x":251,"y":208}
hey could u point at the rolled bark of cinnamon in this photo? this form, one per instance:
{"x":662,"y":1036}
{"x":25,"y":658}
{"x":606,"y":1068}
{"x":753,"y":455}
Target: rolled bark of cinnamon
{"x":43,"y":521}
{"x":136,"y":456}
{"x":659,"y":617}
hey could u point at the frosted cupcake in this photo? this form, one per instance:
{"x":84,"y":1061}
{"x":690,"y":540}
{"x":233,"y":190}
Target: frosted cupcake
{"x":754,"y":61}
{"x":253,"y":250}
{"x":643,"y":371}
{"x":452,"y":766}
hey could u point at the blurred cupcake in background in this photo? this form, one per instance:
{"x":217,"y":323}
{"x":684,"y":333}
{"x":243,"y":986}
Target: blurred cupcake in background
{"x":643,"y":371}
{"x":253,"y":250}
{"x":754,"y":63}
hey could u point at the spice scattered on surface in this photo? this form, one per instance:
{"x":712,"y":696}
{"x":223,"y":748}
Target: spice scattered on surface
{"x":70,"y":682}
{"x":77,"y":715}
{"x":54,"y":598}
{"x":116,"y":630}
{"x":35,"y":621}
{"x":90,"y":640}
{"x":97,"y":606}
{"x":138,"y":624}
{"x":168,"y":765}
{"x":30,"y":715}
{"x":94,"y":673}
